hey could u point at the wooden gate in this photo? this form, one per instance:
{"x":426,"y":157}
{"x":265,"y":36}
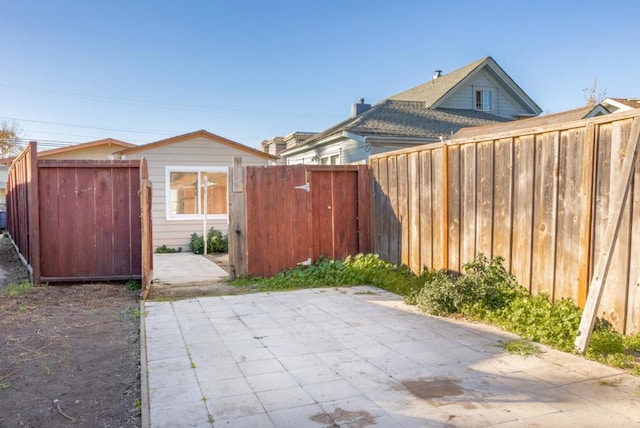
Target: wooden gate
{"x":282,"y":216}
{"x":80,"y":220}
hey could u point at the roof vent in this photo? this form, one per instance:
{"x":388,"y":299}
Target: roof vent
{"x":438,"y":74}
{"x":359,"y":108}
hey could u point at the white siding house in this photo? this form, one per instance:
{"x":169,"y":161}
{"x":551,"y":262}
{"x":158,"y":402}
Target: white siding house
{"x":177,"y":169}
{"x":477,"y":94}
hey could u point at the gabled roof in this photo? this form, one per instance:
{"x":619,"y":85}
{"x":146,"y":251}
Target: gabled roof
{"x":430,"y":92}
{"x":197,"y":134}
{"x":435,"y":92}
{"x":404,"y":119}
{"x":549,"y":119}
{"x":416,"y":114}
{"x":105,"y":141}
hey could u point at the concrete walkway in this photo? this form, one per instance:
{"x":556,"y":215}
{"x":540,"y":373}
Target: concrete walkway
{"x":358,"y":357}
{"x":181,"y":269}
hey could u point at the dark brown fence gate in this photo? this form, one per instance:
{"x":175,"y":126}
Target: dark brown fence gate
{"x":281,"y":216}
{"x":77,"y":220}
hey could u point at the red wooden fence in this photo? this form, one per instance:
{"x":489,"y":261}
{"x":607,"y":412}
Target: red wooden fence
{"x":75,"y":220}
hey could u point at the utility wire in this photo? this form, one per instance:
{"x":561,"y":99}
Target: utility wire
{"x":162,"y":105}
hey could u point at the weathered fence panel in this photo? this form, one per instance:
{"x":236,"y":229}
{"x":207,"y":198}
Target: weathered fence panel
{"x":282,"y":216}
{"x":539,"y":198}
{"x":22,"y":209}
{"x":76,"y":220}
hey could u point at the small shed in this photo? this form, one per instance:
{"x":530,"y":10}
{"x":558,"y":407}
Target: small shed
{"x":178,"y":168}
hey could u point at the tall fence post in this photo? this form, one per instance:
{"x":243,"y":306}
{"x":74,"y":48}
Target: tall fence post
{"x":445,"y":206}
{"x":238,"y":258}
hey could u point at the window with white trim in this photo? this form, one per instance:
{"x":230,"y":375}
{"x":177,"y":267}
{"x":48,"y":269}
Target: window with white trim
{"x":186,"y":193}
{"x":483,"y":100}
{"x":330,"y":160}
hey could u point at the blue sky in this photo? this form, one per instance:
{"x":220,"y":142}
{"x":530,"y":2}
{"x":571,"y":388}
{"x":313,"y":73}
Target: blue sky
{"x":140,"y":71}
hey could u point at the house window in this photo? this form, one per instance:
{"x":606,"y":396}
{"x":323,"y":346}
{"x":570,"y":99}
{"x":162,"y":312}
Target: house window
{"x":330,"y":160}
{"x":483,"y":100}
{"x":186,"y":193}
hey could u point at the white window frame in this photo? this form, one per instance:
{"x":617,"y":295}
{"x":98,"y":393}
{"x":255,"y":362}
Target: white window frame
{"x":483,"y":91}
{"x":167,"y":199}
{"x":331,"y":155}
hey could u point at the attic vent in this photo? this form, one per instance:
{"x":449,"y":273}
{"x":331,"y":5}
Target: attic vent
{"x":359,"y":108}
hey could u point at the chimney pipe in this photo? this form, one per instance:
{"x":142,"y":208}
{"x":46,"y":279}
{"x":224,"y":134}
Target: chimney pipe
{"x":359,"y":108}
{"x":438,"y":74}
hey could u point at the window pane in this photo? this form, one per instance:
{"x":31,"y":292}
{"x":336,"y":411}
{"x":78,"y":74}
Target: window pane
{"x":486,"y":100}
{"x":183,"y":192}
{"x":216,"y":193}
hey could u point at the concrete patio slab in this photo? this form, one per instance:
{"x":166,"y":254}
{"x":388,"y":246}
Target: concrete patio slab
{"x":358,"y":357}
{"x":186,"y":268}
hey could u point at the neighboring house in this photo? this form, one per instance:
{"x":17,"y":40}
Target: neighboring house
{"x":177,"y":169}
{"x":548,"y":119}
{"x":93,"y":150}
{"x":274,"y":146}
{"x":615,"y":105}
{"x":480,"y":93}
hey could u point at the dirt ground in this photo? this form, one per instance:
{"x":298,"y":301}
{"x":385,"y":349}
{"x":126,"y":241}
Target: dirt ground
{"x":69,"y":354}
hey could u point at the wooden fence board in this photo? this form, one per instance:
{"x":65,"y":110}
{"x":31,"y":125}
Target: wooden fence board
{"x":364,"y":209}
{"x":425,"y":193}
{"x":569,"y":216}
{"x":485,"y":199}
{"x":439,"y":228}
{"x":503,"y":200}
{"x":454,"y":210}
{"x":49,"y":215}
{"x":545,"y":212}
{"x":85,"y":207}
{"x":344,"y":193}
{"x":403,"y":207}
{"x":395,"y":235}
{"x":468,"y":197}
{"x":104,"y":217}
{"x":613,"y":303}
{"x":414,"y":212}
{"x":323,"y":227}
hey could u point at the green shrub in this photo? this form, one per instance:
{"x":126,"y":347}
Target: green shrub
{"x":484,"y":286}
{"x":216,"y":242}
{"x":133,"y":284}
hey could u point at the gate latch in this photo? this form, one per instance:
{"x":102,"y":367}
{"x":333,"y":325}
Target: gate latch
{"x":304,"y":187}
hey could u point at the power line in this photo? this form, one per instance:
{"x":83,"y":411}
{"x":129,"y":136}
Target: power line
{"x":100,"y":128}
{"x":162,"y":105}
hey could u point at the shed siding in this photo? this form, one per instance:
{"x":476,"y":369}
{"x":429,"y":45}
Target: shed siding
{"x":97,"y":153}
{"x":196,"y":152}
{"x":464,"y":98}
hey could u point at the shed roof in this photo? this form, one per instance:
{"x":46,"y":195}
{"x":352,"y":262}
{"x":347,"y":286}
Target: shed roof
{"x":118,"y":144}
{"x":196,"y":134}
